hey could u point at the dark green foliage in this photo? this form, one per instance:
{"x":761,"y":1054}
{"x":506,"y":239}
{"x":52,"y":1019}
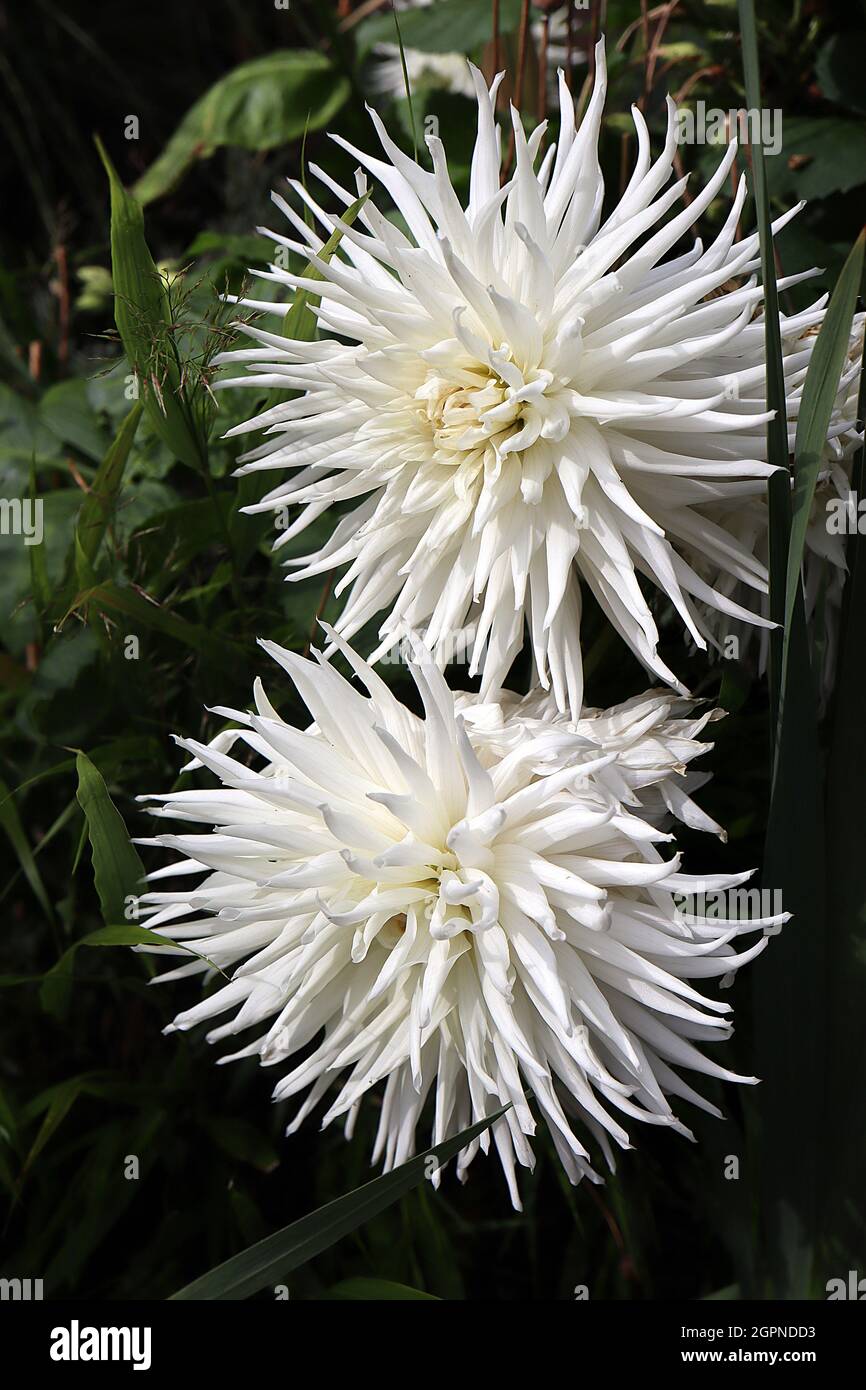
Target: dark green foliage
{"x":142,"y":608}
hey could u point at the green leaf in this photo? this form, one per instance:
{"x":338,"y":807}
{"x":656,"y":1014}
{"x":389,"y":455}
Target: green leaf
{"x":820,"y":156}
{"x":142,"y":312}
{"x":819,"y":392}
{"x":839,"y":70}
{"x":378,"y":1290}
{"x":777,"y":429}
{"x":62,"y":1102}
{"x":67,"y":412}
{"x":11,"y":823}
{"x":299,"y":323}
{"x":406,"y":86}
{"x":113,"y":599}
{"x":842,"y":1215}
{"x":787,"y":981}
{"x":56,"y":1104}
{"x":278,"y":1254}
{"x":97,"y":508}
{"x":117,"y":869}
{"x":56,"y":983}
{"x":441,"y":28}
{"x":258,"y":106}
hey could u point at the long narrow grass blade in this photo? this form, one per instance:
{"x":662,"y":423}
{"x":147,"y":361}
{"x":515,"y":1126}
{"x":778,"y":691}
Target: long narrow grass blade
{"x":406,"y":85}
{"x":783,"y":1132}
{"x":819,"y":392}
{"x":843,"y":1213}
{"x":777,"y":430}
{"x":277,"y":1255}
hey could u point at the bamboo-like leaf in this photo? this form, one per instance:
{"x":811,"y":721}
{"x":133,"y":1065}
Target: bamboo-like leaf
{"x":55,"y":986}
{"x":117,"y":869}
{"x":277,"y":1255}
{"x":111,"y":598}
{"x":11,"y":823}
{"x":99,"y":502}
{"x":142,"y":312}
{"x":300,"y":324}
{"x":56,"y":1104}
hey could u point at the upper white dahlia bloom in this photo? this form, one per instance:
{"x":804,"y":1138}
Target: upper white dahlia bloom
{"x":467,"y":907}
{"x":525,"y":394}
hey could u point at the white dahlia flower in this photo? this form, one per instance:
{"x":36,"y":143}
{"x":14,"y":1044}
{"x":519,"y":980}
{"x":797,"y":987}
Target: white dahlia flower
{"x":469,"y":908}
{"x":526,"y":396}
{"x":448,"y":71}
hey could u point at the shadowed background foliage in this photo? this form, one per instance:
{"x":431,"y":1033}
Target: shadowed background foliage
{"x":143,"y":604}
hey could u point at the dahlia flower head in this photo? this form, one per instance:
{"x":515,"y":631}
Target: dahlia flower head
{"x":476,"y":908}
{"x":520,"y":397}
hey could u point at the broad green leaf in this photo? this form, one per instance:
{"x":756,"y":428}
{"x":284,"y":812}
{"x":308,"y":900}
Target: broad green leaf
{"x":67,"y":412}
{"x":260,"y":105}
{"x":277,"y":1255}
{"x":820,"y":156}
{"x":24,"y":435}
{"x":117,"y":869}
{"x":177,"y":409}
{"x":839,"y":70}
{"x":441,"y":28}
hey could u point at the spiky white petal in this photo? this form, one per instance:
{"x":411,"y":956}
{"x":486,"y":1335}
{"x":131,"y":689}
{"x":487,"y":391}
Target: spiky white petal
{"x":477,"y":907}
{"x":522,"y":396}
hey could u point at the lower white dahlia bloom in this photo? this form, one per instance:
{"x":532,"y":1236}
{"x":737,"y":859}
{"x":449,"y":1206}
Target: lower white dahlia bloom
{"x":519,"y":397}
{"x":469,"y":908}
